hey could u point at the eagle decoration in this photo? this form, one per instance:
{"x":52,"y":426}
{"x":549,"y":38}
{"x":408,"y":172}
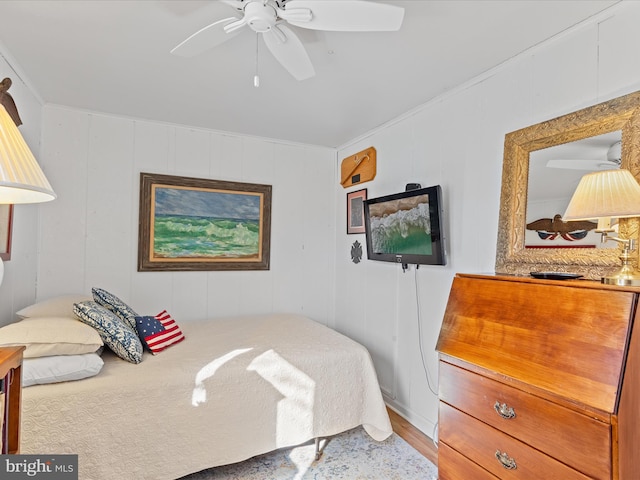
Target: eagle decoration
{"x":551,"y":228}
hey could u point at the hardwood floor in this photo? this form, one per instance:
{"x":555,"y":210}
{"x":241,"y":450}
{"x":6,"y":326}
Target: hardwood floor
{"x":413,"y":436}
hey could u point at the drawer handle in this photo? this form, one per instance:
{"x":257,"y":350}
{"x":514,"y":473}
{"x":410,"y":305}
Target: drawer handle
{"x":505,"y":460}
{"x":504,"y":410}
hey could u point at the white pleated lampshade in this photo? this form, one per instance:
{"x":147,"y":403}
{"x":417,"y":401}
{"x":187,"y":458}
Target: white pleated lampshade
{"x":21,"y":178}
{"x":607,"y":193}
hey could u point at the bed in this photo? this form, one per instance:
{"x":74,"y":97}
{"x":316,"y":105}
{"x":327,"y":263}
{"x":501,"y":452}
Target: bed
{"x":235,"y":388}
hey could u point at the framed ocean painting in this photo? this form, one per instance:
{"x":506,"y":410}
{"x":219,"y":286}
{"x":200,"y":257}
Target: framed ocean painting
{"x":200,"y":224}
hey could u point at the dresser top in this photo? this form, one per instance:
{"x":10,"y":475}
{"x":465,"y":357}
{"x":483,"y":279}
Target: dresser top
{"x":579,"y":282}
{"x":567,"y":339}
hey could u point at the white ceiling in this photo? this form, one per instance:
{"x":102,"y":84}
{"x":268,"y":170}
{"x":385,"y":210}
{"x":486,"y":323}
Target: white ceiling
{"x":113,"y":56}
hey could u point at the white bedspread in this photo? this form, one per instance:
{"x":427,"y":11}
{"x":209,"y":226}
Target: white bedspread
{"x":233,"y":389}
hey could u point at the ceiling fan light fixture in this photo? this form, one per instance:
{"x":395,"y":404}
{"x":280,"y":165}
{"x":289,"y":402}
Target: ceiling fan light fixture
{"x":261,"y":17}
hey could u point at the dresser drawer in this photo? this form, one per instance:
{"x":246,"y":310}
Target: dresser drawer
{"x":548,"y":427}
{"x":481,"y":444}
{"x":453,"y":466}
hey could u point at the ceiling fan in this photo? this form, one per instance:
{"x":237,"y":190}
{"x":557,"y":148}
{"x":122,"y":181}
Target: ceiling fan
{"x":270,"y":18}
{"x":612,"y":160}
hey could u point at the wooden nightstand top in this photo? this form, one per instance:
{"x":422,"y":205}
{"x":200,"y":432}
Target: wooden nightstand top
{"x":10,"y":357}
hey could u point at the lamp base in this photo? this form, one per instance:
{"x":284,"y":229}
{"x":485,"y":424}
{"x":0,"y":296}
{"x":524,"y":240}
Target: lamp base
{"x":626,"y":276}
{"x":622,"y":280}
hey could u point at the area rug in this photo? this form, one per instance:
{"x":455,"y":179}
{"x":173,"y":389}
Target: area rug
{"x":352,"y":455}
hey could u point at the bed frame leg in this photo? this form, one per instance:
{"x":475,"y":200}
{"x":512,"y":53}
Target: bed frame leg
{"x":320,"y":448}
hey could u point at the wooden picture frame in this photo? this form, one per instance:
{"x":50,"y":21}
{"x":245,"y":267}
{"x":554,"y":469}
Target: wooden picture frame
{"x":192,"y":224}
{"x":6,"y":230}
{"x":355,"y":211}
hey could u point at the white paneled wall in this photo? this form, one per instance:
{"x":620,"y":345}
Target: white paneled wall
{"x":89,"y":235}
{"x":457,"y":141}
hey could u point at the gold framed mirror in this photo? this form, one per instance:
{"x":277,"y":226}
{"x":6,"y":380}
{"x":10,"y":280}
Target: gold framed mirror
{"x":513,"y":256}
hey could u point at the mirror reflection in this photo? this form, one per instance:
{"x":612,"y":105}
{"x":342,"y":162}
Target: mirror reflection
{"x":554,"y":174}
{"x":520,"y":201}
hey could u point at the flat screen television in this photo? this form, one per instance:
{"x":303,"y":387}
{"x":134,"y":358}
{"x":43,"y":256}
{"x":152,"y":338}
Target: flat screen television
{"x":406,"y":227}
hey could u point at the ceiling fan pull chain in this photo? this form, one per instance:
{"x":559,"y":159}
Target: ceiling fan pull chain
{"x":256,"y":77}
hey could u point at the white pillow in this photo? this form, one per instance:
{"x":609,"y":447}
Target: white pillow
{"x":46,"y":336}
{"x":61,"y":306}
{"x":60,"y":368}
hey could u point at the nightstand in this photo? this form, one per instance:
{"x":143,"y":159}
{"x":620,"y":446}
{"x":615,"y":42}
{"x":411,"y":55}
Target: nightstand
{"x":11,"y":377}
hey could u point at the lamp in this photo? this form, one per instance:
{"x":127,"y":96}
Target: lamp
{"x":605,"y":195}
{"x":21,"y":178}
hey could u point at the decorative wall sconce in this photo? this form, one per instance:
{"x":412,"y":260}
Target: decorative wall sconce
{"x":7,"y":101}
{"x":21,"y":178}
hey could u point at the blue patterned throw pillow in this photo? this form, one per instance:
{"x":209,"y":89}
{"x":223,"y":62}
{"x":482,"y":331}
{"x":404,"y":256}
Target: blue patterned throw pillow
{"x":117,"y":306}
{"x":115,"y":333}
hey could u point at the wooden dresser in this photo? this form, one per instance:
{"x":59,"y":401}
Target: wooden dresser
{"x":539,"y":379}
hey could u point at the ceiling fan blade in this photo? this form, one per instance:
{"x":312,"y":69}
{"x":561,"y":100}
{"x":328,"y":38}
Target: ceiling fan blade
{"x":578,"y":164}
{"x":237,"y":4}
{"x":290,"y":52}
{"x":206,"y":38}
{"x":345,"y":15}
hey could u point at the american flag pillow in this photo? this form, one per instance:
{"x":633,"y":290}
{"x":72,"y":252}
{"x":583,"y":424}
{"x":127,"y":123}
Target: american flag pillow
{"x":159,"y":332}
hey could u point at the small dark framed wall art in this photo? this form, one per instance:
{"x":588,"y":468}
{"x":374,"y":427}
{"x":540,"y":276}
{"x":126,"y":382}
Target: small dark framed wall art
{"x":6,"y":227}
{"x":355,"y":211}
